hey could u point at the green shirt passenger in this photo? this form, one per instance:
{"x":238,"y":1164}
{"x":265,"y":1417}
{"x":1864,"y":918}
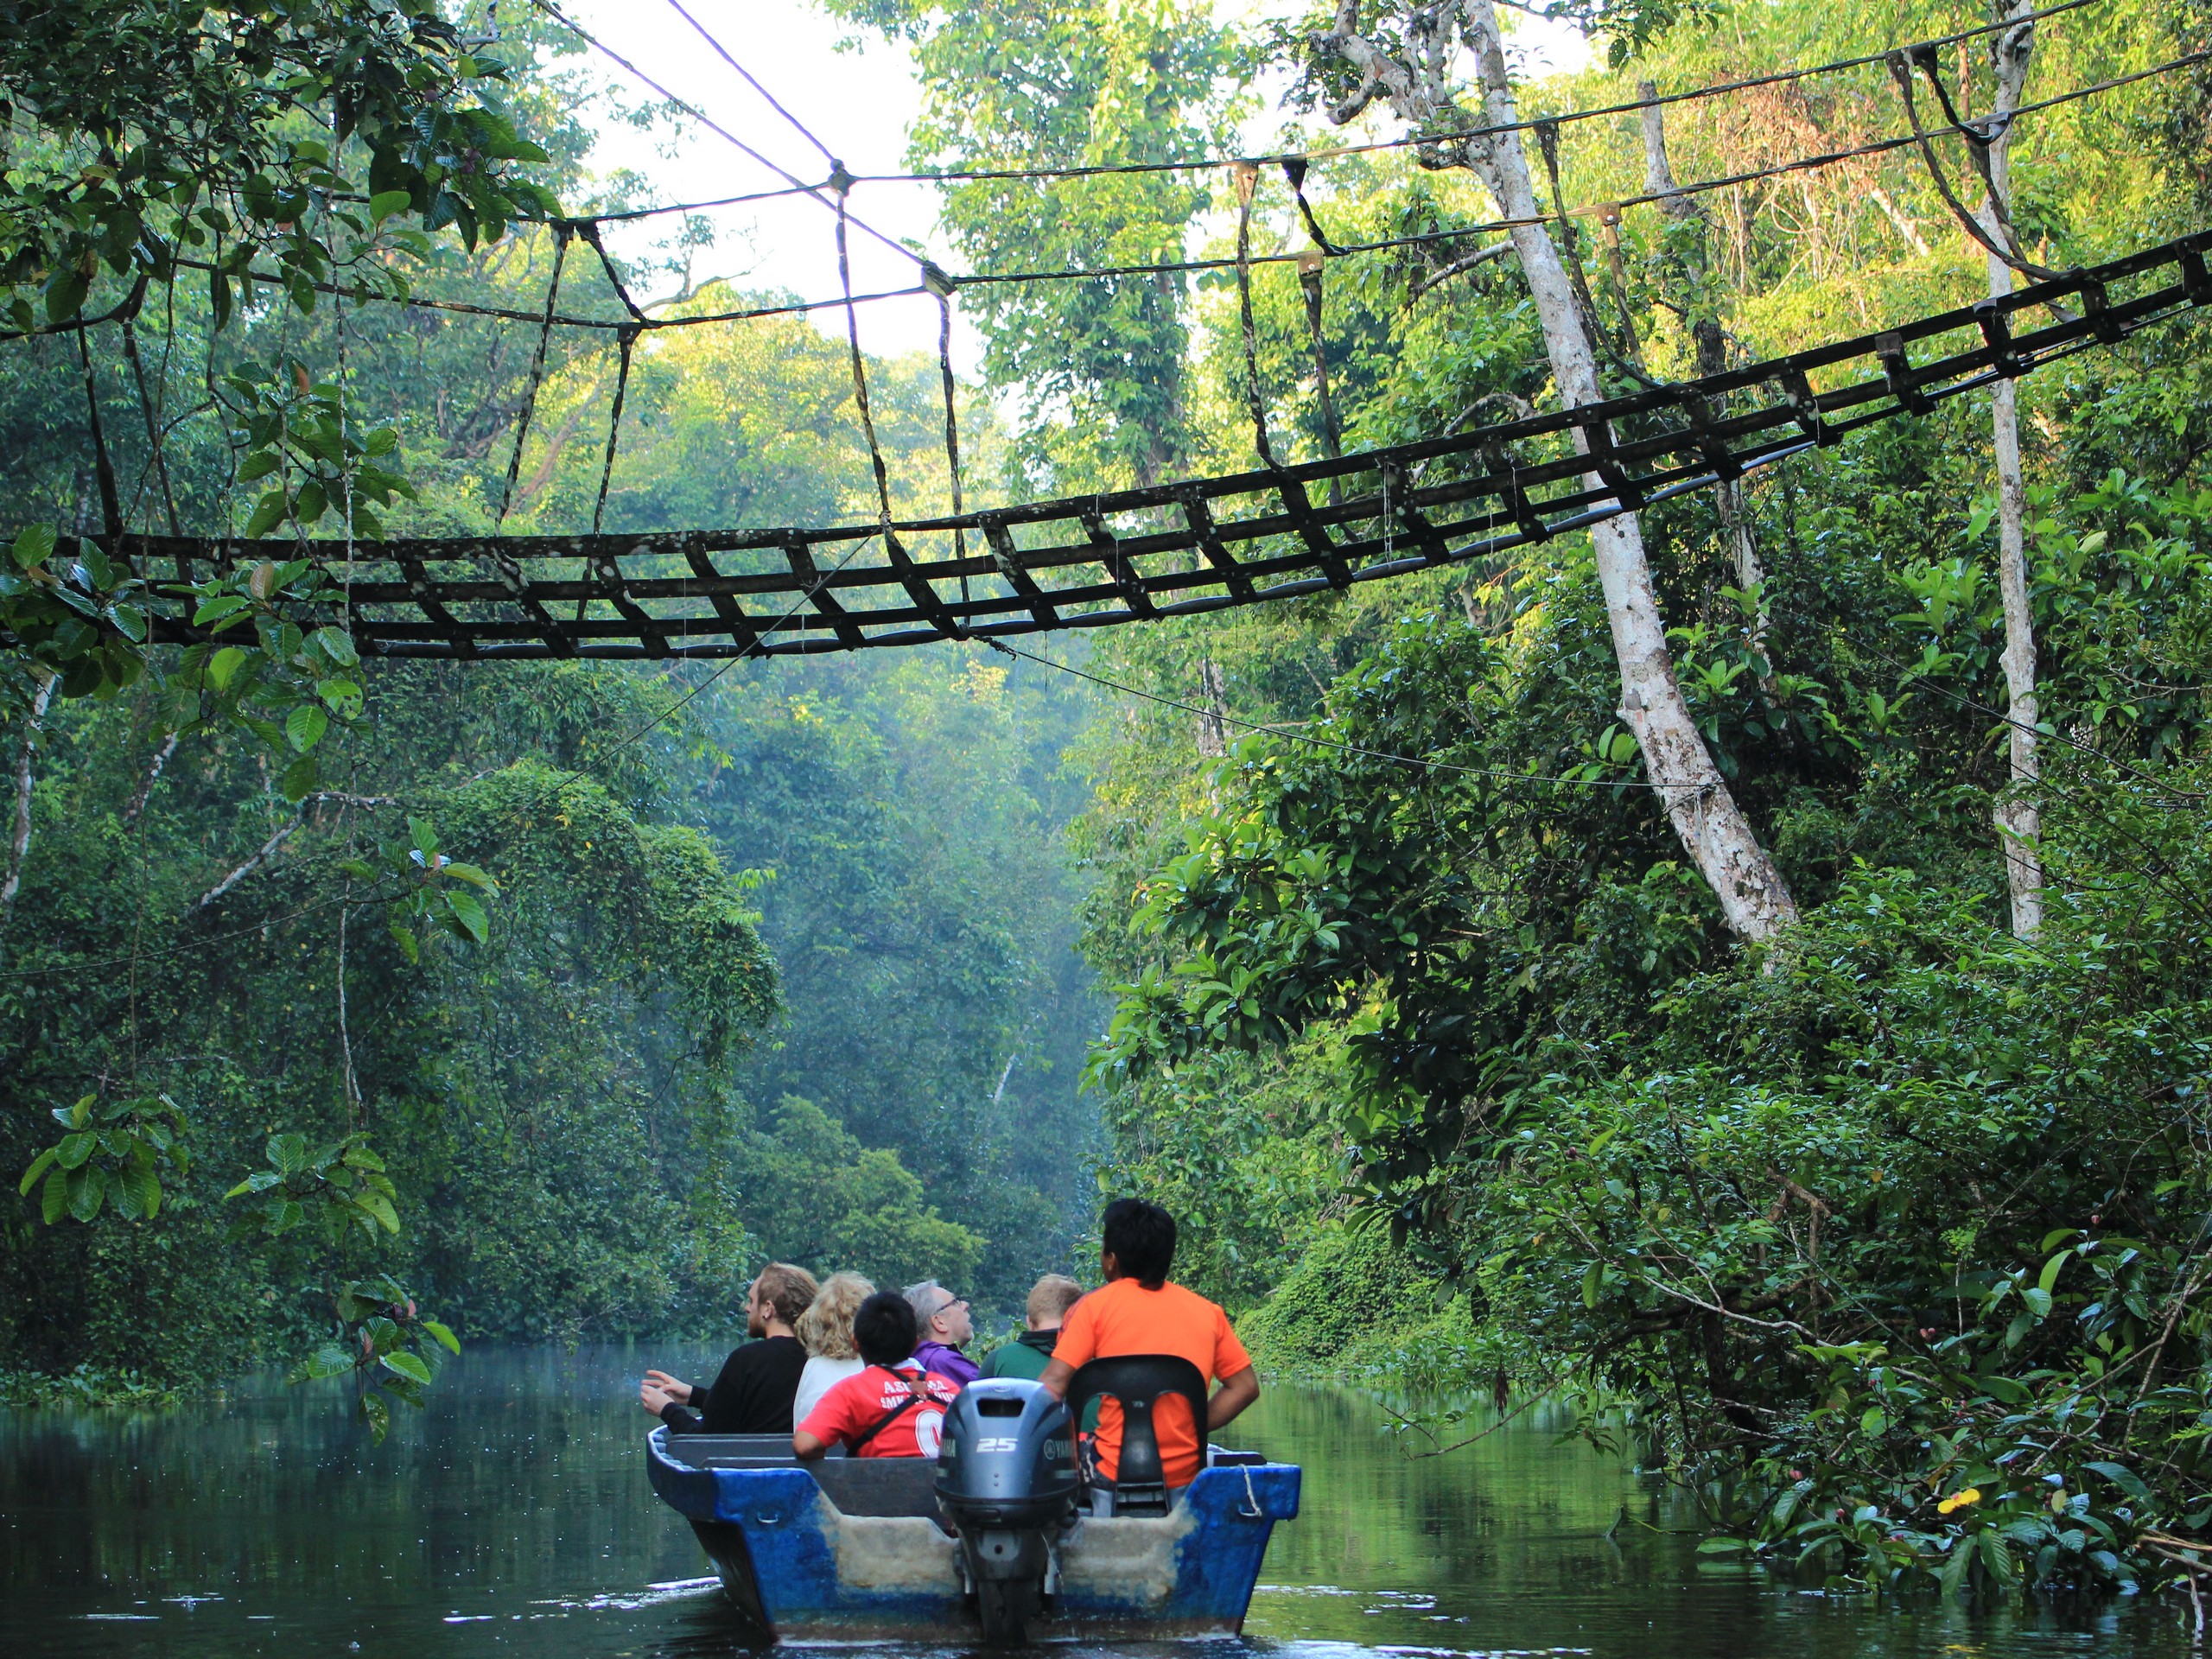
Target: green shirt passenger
{"x":1029,"y":1354}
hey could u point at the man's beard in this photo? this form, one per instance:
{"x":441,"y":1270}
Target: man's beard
{"x":756,"y":1324}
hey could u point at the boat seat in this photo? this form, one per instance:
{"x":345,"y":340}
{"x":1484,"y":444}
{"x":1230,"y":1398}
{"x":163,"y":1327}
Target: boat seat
{"x":883,"y":1486}
{"x":735,"y":1450}
{"x":1138,"y":1382}
{"x":879,"y":1485}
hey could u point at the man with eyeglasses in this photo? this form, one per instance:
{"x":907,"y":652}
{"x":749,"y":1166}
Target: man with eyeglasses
{"x":945,"y":1327}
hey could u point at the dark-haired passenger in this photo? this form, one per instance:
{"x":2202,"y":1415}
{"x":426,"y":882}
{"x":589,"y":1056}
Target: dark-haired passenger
{"x":894,"y":1408}
{"x":1138,"y":1311}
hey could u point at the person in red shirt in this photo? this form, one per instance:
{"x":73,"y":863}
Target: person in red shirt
{"x":1139,"y":1312}
{"x":894,"y":1408}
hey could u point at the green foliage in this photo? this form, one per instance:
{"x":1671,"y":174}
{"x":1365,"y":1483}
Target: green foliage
{"x":1920,"y":1206}
{"x":287,"y":685}
{"x":816,"y":1194}
{"x":429,"y":902}
{"x":1897,"y":1210}
{"x":165,"y":131}
{"x":117,"y":1150}
{"x":382,"y":1341}
{"x":908,"y":809}
{"x":338,"y":1188}
{"x":1352,"y":1299}
{"x":298,"y":433}
{"x":651,"y":903}
{"x":81,"y":625}
{"x":562,"y":1097}
{"x":1245,"y":1151}
{"x":1101,"y":364}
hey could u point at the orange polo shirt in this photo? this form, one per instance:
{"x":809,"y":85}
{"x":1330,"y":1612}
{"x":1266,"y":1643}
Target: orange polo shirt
{"x":1124,"y":1318}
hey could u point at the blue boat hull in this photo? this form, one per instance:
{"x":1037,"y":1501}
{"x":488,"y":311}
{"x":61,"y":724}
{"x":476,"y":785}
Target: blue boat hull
{"x":802,"y":1568}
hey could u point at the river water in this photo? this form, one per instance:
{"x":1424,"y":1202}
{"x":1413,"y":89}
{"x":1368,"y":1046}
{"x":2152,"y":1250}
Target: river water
{"x":514,"y":1517}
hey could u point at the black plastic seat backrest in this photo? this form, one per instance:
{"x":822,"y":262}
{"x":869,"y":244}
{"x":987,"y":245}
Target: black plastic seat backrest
{"x":1138,"y":1382}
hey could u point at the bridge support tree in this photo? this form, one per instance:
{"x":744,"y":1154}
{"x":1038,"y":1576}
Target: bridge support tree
{"x":1712,"y":825}
{"x":2019,"y":814}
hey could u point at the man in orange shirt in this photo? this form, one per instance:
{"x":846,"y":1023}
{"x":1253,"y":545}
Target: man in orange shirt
{"x":1139,"y":1312}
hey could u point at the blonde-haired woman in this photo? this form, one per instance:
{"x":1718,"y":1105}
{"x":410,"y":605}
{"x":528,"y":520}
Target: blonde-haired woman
{"x":825,"y":1331}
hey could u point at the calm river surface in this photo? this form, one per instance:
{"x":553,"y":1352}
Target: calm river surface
{"x":514,"y":1518}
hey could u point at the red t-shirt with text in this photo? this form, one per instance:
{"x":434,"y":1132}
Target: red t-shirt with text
{"x":859,"y":1403}
{"x":1124,"y":1318}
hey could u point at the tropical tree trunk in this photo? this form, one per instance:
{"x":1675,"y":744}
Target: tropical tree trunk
{"x":1712,"y":828}
{"x":1213,"y":699}
{"x":19,"y":844}
{"x":2019,"y":814}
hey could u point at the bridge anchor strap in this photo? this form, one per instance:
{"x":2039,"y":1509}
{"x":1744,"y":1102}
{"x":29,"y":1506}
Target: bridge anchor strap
{"x":1897,"y":375}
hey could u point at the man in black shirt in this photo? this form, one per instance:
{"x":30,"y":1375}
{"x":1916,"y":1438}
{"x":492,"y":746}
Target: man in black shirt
{"x":758,"y":1380}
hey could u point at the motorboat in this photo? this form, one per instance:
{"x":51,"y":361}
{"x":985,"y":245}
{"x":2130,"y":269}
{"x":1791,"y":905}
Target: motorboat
{"x":999,"y":1538}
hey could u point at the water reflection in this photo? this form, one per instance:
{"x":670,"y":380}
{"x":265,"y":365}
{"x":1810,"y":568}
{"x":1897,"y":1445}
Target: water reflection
{"x":515,"y":1517}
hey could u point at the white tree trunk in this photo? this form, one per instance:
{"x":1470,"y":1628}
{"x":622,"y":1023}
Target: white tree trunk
{"x":1712,"y":828}
{"x":19,"y":845}
{"x":2019,"y":816}
{"x":1213,"y":698}
{"x":1419,"y":88}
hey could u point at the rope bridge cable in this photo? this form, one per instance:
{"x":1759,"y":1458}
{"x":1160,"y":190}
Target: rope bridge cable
{"x":1204,"y":545}
{"x":723,"y":52}
{"x":1285,"y":158}
{"x":1298,"y":159}
{"x":930,"y":273}
{"x":813,"y":192}
{"x":1719,"y":89}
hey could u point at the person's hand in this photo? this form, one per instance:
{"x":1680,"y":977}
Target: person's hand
{"x":674,"y":1387}
{"x":652,"y":1396}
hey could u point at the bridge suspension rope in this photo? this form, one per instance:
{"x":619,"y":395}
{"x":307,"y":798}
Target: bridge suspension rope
{"x":1198,"y":545}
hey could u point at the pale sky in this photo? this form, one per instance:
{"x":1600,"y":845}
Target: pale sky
{"x":860,"y":104}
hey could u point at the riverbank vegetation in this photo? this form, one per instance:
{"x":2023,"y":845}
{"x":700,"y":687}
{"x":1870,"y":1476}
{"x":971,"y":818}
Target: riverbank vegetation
{"x":1838,"y":1123}
{"x":542,"y":1004}
{"x":1882,"y":1229}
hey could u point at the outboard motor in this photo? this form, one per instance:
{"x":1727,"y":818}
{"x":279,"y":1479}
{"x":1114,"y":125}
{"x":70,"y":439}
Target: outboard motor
{"x":1006,"y":1480}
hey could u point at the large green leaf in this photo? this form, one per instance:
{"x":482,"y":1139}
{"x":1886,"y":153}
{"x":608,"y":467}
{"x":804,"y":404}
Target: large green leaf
{"x":87,"y":1192}
{"x":138,"y":1190}
{"x":40,"y":1165}
{"x":223,"y":664}
{"x":267,"y":513}
{"x":380,"y":1207}
{"x":469,"y":916}
{"x":329,"y":1360}
{"x":337,"y":644}
{"x":305,"y":725}
{"x":33,"y":545}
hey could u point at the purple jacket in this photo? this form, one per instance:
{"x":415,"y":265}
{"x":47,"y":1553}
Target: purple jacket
{"x":948,"y":1362}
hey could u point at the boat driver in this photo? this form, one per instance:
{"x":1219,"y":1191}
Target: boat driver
{"x":1138,"y":1311}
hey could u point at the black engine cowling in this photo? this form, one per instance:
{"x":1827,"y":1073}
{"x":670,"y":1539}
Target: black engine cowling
{"x":1006,"y":1482}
